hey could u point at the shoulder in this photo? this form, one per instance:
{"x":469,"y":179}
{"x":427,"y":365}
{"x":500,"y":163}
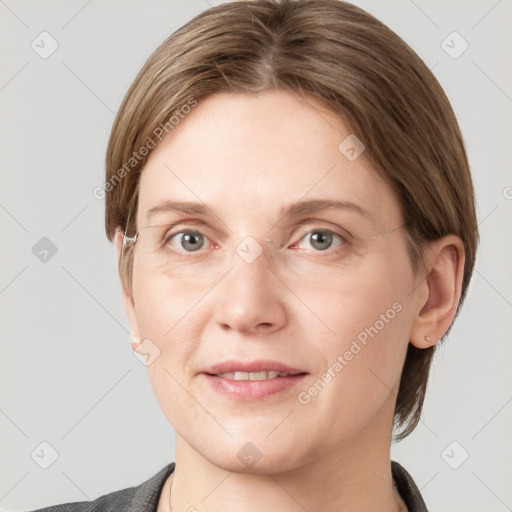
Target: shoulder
{"x":143,"y":497}
{"x":407,"y":488}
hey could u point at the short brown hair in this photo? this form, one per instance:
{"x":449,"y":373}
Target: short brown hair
{"x":362,"y":71}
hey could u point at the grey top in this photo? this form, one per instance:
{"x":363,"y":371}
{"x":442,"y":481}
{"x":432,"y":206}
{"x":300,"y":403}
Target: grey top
{"x":144,"y":497}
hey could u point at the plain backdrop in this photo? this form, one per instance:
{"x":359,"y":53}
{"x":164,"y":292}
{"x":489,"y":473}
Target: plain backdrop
{"x":68,"y":376}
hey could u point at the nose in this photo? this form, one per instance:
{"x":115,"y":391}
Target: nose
{"x":252,"y":297}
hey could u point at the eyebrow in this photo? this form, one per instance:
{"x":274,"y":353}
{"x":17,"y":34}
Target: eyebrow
{"x":294,"y":210}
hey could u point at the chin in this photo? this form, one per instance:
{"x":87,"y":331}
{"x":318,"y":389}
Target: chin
{"x":258,"y":457}
{"x":264,"y":466}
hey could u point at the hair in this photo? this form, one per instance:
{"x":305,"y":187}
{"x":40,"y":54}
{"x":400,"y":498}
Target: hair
{"x":354,"y":64}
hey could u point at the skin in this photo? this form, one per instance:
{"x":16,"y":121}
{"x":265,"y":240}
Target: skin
{"x":248,"y":156}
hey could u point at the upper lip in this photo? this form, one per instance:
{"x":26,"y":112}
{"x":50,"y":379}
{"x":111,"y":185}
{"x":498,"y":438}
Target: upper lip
{"x":251,"y":366}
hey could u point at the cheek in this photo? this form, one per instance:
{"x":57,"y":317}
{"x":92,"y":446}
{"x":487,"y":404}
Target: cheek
{"x":357,"y":378}
{"x":362,"y":304}
{"x":169,"y":314}
{"x":163,"y":307}
{"x":369,"y":316}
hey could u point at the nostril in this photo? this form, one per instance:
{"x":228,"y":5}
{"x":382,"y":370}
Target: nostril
{"x":264,"y":325}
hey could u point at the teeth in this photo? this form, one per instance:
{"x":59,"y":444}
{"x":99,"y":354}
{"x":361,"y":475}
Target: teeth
{"x":264,"y":375}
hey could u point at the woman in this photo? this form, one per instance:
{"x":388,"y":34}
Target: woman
{"x":290,"y":198}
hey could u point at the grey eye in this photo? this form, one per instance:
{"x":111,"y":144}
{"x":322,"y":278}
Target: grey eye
{"x":321,"y":239}
{"x":190,"y":240}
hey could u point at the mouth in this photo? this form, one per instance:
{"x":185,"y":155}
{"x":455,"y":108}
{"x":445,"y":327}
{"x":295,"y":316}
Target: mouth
{"x":263,"y":375}
{"x":254,"y":380}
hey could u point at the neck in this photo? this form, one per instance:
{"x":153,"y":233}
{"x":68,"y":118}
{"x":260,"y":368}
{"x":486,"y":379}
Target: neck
{"x":355,"y":478}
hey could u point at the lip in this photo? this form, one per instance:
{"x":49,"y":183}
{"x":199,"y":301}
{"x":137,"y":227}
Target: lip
{"x":250,"y":390}
{"x":251,"y":366}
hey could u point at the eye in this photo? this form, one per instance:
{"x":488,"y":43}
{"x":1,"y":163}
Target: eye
{"x":322,"y":239}
{"x":190,"y":241}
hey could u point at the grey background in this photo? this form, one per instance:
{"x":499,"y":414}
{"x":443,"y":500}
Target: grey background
{"x":68,"y":376}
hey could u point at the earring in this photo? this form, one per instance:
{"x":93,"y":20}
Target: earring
{"x":134,"y":341}
{"x":427,"y":339}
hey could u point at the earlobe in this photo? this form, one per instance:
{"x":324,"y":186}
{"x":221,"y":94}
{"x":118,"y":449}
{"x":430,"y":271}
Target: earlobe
{"x":439,"y":294}
{"x":135,"y":342}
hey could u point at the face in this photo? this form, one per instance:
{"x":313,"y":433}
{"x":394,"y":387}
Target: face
{"x":251,"y":286}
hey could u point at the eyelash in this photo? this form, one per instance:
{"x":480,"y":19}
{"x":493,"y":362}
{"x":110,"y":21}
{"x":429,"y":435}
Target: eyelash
{"x":344,"y":240}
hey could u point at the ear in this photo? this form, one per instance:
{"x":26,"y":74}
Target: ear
{"x":439,"y":293}
{"x":128,"y":301}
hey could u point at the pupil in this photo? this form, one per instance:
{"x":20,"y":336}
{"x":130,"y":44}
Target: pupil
{"x":320,"y":237}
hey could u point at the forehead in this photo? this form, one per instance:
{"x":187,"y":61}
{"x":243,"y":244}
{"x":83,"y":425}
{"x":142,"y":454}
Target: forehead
{"x":252,"y":156}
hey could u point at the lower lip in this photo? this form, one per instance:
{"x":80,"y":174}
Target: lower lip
{"x":252,"y":389}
